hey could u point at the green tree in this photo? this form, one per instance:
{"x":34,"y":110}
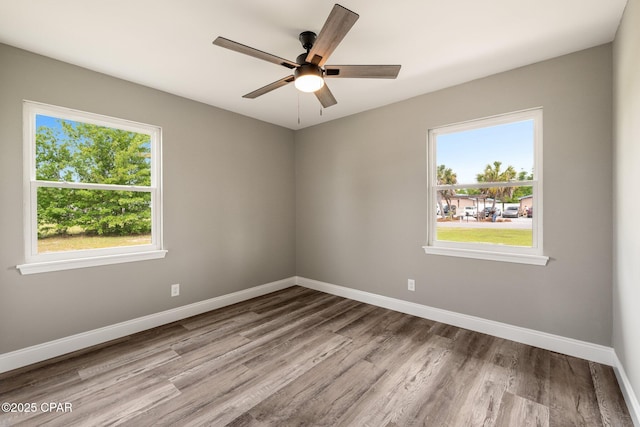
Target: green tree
{"x":495,"y":174}
{"x":53,"y":160}
{"x":525,"y":190}
{"x":109,"y":156}
{"x":525,"y":176}
{"x":87,"y":153}
{"x":445,"y":176}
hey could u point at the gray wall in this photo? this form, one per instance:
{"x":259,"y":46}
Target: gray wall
{"x":346,"y":204}
{"x":361,"y":201}
{"x":228,"y":217}
{"x":626,"y":291}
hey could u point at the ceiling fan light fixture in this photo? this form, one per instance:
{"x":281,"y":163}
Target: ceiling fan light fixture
{"x":308,"y":78}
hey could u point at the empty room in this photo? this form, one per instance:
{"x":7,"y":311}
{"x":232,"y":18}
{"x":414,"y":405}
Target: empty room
{"x":302,"y":214}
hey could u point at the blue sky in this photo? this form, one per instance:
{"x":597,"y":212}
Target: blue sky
{"x":50,"y":122}
{"x":55,"y":123}
{"x":467,"y":153}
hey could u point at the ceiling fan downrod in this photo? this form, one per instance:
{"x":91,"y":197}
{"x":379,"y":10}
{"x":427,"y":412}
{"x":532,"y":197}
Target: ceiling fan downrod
{"x":307,"y":38}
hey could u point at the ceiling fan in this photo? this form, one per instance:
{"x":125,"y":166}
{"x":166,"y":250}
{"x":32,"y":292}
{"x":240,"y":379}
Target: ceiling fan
{"x":309,"y":69}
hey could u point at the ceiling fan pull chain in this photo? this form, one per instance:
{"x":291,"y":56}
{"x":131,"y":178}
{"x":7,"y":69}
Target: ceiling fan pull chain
{"x":298,"y":107}
{"x":320,"y":111}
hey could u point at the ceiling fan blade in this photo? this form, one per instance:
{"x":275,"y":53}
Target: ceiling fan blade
{"x":362,"y":71}
{"x":268,"y":88}
{"x":247,"y":50}
{"x":336,"y":26}
{"x":325,"y":96}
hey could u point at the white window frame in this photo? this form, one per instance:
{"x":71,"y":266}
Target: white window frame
{"x":526,"y":255}
{"x":45,"y":262}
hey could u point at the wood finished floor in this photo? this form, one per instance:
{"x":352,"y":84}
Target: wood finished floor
{"x":299,"y":357}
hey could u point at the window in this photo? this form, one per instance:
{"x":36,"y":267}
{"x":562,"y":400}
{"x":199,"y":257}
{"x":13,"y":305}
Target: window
{"x":92,"y":190}
{"x":485,"y":189}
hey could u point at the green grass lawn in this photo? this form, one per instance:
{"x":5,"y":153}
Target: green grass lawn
{"x":503,"y":236}
{"x":79,"y":242}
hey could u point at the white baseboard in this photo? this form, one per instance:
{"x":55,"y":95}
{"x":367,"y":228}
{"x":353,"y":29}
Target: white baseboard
{"x":569,"y":346}
{"x":627,"y":391}
{"x":38,"y":353}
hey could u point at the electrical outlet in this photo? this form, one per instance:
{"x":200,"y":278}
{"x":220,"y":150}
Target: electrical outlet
{"x":411,"y":284}
{"x":175,"y":290}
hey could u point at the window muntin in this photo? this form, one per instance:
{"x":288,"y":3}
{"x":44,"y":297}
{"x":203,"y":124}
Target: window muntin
{"x":92,"y":183}
{"x":485,"y":166}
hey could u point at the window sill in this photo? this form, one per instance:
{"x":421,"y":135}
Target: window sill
{"x":69,"y":264}
{"x":487,"y":255}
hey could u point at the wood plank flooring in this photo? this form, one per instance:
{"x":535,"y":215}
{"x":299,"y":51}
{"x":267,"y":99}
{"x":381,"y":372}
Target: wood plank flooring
{"x":299,"y":357}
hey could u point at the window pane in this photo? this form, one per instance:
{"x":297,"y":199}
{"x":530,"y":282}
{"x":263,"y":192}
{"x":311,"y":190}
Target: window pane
{"x":73,"y":151}
{"x":468,"y":153}
{"x":474,"y":218}
{"x":72,"y":219}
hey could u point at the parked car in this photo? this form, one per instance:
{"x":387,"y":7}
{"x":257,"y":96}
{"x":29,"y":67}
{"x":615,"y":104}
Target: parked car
{"x":510,"y":212}
{"x":487,"y":211}
{"x":470,"y":211}
{"x":445,"y":208}
{"x":449,"y":210}
{"x":530,"y":212}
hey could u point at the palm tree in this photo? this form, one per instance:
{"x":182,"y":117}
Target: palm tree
{"x":445,"y":176}
{"x":494,"y":174}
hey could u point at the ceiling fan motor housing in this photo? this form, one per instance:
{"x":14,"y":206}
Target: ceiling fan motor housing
{"x":302,"y":59}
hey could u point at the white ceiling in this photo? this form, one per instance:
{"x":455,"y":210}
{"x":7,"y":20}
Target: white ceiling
{"x":166,"y":44}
